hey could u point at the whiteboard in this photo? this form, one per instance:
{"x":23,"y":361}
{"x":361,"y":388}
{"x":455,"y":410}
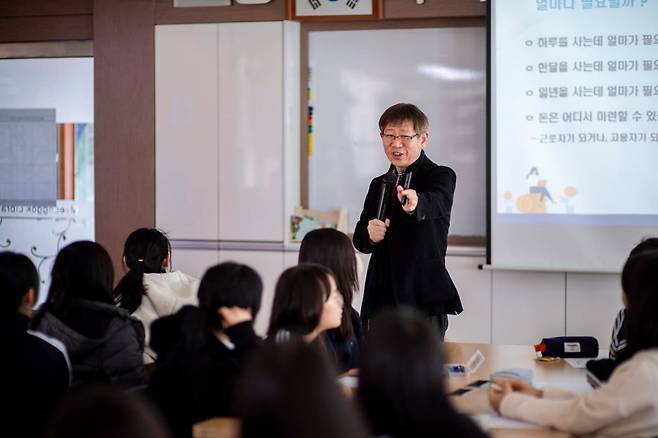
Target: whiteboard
{"x":356,"y":75}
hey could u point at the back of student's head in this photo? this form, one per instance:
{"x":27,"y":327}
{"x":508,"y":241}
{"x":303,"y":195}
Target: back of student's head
{"x":17,"y":276}
{"x":640,"y":280}
{"x":289,"y":390}
{"x":299,"y":298}
{"x":229,"y":284}
{"x":81,"y":271}
{"x":333,"y":249}
{"x":144,"y":252}
{"x":95,"y":411}
{"x":401,"y":377}
{"x":648,"y":244}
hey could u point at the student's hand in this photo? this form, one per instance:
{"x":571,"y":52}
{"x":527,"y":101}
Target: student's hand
{"x":233,"y":315}
{"x":497,"y":392}
{"x":377,"y":230}
{"x":412,"y":199}
{"x":352,"y":372}
{"x":521,"y":386}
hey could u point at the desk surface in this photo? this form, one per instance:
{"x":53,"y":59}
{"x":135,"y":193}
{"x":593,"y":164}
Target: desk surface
{"x":498,"y":357}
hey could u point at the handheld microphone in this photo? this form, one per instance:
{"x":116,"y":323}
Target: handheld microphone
{"x":405,"y":186}
{"x":387,"y":182}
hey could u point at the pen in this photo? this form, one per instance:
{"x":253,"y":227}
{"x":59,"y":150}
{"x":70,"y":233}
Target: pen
{"x":496,"y":387}
{"x":456,"y":369}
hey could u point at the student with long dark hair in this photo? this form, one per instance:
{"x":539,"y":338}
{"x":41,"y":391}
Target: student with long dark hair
{"x":148,"y":291}
{"x":625,"y":406}
{"x":603,"y":368}
{"x":401,"y":388}
{"x":195,"y":381}
{"x":104,"y":342}
{"x":35,"y":368}
{"x":306,"y":304}
{"x":333,"y":249}
{"x":289,"y":390}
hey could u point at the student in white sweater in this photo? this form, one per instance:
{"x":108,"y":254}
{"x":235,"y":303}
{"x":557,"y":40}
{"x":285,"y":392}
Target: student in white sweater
{"x":148,"y":291}
{"x":625,"y":406}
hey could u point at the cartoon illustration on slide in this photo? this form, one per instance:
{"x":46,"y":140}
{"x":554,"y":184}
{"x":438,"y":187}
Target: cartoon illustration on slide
{"x":538,"y":198}
{"x":567,"y":199}
{"x":535,"y":200}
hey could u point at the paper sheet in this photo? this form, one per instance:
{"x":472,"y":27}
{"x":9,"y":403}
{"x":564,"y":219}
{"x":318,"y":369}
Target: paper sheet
{"x":492,"y":421}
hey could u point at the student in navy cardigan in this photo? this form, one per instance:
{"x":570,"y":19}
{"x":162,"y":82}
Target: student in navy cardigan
{"x":195,"y":380}
{"x":35,"y":367}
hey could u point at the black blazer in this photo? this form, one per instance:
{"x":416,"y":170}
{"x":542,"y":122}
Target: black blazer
{"x":411,"y":259}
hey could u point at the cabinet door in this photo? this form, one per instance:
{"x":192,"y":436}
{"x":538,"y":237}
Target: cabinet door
{"x":251,"y":131}
{"x":194,"y":262}
{"x":186,"y":152}
{"x":269,"y":265}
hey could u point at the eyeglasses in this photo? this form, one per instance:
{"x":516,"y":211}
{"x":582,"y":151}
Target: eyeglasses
{"x":389,"y":138}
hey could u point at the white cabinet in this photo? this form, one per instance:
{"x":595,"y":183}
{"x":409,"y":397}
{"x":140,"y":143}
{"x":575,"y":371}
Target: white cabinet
{"x":193,"y":262}
{"x":186,"y":152}
{"x":251,"y":131}
{"x":224,"y":129}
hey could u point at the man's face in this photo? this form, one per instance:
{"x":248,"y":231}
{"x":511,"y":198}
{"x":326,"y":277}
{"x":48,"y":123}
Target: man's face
{"x":401,"y":151}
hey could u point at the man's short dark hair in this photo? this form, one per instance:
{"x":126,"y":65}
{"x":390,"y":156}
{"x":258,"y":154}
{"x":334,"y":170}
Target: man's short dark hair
{"x":17,"y":276}
{"x":401,"y":112}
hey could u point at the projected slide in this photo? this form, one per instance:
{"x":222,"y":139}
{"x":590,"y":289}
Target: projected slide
{"x":575,"y":111}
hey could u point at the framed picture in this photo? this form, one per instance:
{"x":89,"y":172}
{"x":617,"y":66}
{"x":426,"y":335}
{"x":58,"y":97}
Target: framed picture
{"x":334,"y":9}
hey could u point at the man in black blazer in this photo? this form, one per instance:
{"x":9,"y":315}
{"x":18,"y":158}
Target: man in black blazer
{"x":408,"y":247}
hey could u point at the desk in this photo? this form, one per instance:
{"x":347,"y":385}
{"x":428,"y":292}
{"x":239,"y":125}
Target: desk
{"x":498,"y":357}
